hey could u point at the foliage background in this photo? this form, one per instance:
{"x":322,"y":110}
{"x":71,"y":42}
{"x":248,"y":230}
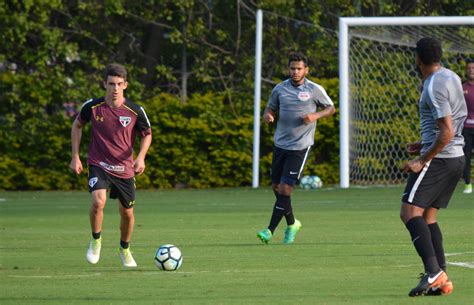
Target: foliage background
{"x":191,"y":64}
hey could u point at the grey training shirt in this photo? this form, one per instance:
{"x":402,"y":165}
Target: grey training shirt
{"x":442,"y":96}
{"x":292,"y":104}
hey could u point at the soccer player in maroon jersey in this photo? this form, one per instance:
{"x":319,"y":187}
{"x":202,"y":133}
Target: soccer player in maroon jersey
{"x":115,"y":122}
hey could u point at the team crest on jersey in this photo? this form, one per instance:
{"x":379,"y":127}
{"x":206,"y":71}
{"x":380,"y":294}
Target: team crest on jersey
{"x":304,"y":96}
{"x":125,"y":120}
{"x":93,"y":181}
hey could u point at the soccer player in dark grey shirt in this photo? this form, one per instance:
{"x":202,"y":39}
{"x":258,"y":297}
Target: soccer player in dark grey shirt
{"x":294,"y":104}
{"x":433,"y":176}
{"x":115,"y":122}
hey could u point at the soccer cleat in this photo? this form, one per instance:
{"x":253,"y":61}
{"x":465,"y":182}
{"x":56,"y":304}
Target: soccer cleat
{"x":291,"y":231}
{"x":127,"y":258}
{"x":93,"y":252}
{"x":467,"y":189}
{"x":265,"y":235}
{"x":445,"y":289}
{"x":427,"y":282}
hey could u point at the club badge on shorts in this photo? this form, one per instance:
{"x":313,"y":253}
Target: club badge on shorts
{"x":125,"y":120}
{"x":93,"y":181}
{"x":304,"y":96}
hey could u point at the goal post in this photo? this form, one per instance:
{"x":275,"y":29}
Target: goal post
{"x":393,"y":38}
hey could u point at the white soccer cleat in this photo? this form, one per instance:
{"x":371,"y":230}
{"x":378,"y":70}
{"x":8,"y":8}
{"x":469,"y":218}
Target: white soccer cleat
{"x":93,"y":252}
{"x":127,"y":258}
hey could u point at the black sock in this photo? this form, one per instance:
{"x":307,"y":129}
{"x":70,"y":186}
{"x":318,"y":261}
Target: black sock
{"x":421,"y":238}
{"x":124,"y":244}
{"x":280,"y":208}
{"x":290,"y":218}
{"x":96,"y":235}
{"x":437,"y":241}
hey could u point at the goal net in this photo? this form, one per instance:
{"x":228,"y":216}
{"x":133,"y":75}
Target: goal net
{"x":384,"y":88}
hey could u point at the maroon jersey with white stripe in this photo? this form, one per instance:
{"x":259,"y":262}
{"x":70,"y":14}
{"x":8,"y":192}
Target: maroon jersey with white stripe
{"x":113,"y":134}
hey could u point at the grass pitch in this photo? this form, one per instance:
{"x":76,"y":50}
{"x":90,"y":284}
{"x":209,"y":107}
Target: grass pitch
{"x":352,"y":249}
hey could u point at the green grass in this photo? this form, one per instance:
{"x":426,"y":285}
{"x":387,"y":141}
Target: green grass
{"x":352,"y":249}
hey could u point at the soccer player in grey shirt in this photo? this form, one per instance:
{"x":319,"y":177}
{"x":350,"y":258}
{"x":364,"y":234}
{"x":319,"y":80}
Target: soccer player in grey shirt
{"x":433,"y":175}
{"x":294,"y":105}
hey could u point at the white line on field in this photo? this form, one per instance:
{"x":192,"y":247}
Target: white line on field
{"x":3,"y":199}
{"x":456,"y":254}
{"x":55,"y":276}
{"x":462,"y":264}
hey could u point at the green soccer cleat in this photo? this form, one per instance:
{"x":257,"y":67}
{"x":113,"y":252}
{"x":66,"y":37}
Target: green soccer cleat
{"x":467,"y":189}
{"x":127,"y":258}
{"x":291,"y":231}
{"x":93,"y":252}
{"x":265,"y":235}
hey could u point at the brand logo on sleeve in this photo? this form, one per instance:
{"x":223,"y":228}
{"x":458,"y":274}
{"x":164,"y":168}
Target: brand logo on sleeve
{"x":125,"y":120}
{"x":304,"y":96}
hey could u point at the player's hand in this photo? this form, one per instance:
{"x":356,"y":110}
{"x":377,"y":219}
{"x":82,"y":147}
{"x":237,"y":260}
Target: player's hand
{"x":310,"y":118}
{"x":414,"y":148}
{"x":76,"y":166}
{"x":139,"y":166}
{"x":413,"y":166}
{"x":268,"y":117}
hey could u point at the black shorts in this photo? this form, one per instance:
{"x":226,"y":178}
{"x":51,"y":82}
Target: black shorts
{"x":287,"y":165}
{"x":435,"y":184}
{"x":121,"y":188}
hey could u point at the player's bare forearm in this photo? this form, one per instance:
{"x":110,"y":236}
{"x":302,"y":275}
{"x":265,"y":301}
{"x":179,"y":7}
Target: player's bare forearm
{"x":446,"y":133}
{"x":268,"y":115}
{"x":313,"y":117}
{"x":76,"y":135}
{"x":139,"y":164}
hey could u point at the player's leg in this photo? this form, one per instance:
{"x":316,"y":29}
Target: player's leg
{"x":98,"y":184}
{"x":468,"y":134}
{"x":430,"y":216}
{"x":124,"y":191}
{"x":294,"y":166}
{"x":426,"y":192}
{"x":278,"y":156}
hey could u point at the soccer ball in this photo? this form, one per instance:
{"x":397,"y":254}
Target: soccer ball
{"x":168,"y":258}
{"x":311,"y":182}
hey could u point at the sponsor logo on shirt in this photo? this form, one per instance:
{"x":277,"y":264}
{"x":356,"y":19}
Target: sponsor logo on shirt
{"x":99,"y":118}
{"x":304,"y":96}
{"x":112,"y":168}
{"x":125,"y":120}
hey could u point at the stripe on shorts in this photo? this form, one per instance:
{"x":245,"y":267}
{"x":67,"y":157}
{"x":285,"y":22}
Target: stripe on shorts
{"x":304,"y":161}
{"x":418,"y":181}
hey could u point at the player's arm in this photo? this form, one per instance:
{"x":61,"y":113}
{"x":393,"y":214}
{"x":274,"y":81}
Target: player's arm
{"x":76,"y":134}
{"x":268,"y":115}
{"x":139,"y":163}
{"x":313,"y":117}
{"x":446,"y":133}
{"x":414,"y":148}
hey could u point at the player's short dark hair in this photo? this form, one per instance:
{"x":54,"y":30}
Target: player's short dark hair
{"x":115,"y":70}
{"x":429,"y":50}
{"x":469,"y":61}
{"x":297,"y":56}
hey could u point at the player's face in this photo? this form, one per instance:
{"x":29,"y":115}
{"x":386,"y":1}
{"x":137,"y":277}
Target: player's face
{"x":297,"y":72}
{"x":114,"y":86}
{"x":470,"y":71}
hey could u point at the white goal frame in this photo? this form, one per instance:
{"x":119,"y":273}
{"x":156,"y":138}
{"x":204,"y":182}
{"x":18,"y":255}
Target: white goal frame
{"x":344,"y":81}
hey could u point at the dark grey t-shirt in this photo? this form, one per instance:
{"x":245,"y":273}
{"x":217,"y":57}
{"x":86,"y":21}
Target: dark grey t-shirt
{"x":442,"y":96}
{"x":292,"y":104}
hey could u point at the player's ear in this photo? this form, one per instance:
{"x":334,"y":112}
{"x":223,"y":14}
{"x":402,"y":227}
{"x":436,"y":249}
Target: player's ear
{"x":104,"y":83}
{"x":125,"y":85}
